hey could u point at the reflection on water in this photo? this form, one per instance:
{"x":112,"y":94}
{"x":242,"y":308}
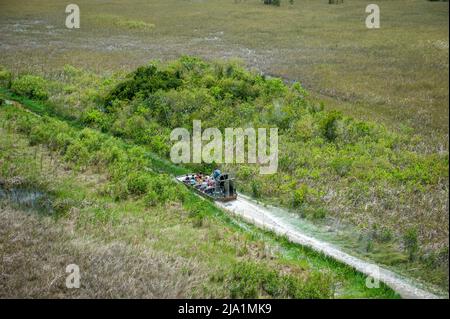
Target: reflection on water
{"x":328,"y":229}
{"x":342,"y":235}
{"x":27,"y":199}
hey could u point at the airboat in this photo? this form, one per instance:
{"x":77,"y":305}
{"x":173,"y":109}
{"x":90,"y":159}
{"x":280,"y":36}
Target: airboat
{"x":223,"y":190}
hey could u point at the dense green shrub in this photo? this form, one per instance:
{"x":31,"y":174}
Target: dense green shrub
{"x":300,"y":196}
{"x":329,"y":125}
{"x":138,"y":183}
{"x":78,"y":153}
{"x":62,"y":141}
{"x":144,"y":81}
{"x":110,"y":153}
{"x":96,"y":119}
{"x":31,"y":86}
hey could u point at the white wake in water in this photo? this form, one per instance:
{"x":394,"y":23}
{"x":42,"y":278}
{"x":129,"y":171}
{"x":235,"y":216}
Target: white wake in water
{"x":263,"y":217}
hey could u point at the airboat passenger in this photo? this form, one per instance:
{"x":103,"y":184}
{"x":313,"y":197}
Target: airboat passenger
{"x":203,"y":186}
{"x":187,"y":179}
{"x":217,"y":173}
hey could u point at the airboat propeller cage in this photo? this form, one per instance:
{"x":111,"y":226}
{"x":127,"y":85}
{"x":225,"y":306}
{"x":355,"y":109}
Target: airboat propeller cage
{"x":226,"y":185}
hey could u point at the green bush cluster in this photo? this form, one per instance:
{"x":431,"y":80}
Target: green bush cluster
{"x":329,"y":125}
{"x":31,"y":86}
{"x":144,"y":81}
{"x":300,"y":195}
{"x":127,"y":168}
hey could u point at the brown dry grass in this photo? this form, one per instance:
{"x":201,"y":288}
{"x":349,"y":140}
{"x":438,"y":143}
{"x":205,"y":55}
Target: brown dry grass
{"x":35,"y":252}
